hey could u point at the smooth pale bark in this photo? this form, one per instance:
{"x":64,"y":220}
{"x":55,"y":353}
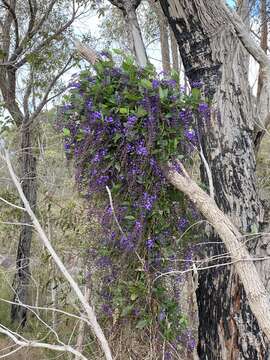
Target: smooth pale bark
{"x":175,"y":55}
{"x":164,"y":36}
{"x":128,"y":7}
{"x":212,"y":41}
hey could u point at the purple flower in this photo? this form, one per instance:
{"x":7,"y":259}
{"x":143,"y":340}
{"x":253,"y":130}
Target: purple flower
{"x":138,"y":225}
{"x":162,"y":315}
{"x":191,"y":135}
{"x":141,"y":149}
{"x":150,"y":243}
{"x":126,"y":243}
{"x":203,"y":107}
{"x":89,"y":104}
{"x":97,"y":115}
{"x":131,"y":121}
{"x":168,"y":355}
{"x":171,"y":83}
{"x":185,"y":115}
{"x":130,"y":148}
{"x":75,"y":85}
{"x":108,"y":119}
{"x":196,"y":84}
{"x":182,"y":224}
{"x":204,"y":110}
{"x":67,"y":147}
{"x":105,"y":54}
{"x":148,"y":201}
{"x":155,"y":84}
{"x":191,"y":343}
{"x":104,"y":261}
{"x":102,"y":180}
{"x":107,"y":310}
{"x":67,"y":107}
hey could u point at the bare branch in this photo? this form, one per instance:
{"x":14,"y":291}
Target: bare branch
{"x":47,"y":41}
{"x":15,"y":20}
{"x":259,"y":55}
{"x":86,"y":53}
{"x":88,"y":309}
{"x":44,"y":101}
{"x":256,"y":292}
{"x":19,"y":340}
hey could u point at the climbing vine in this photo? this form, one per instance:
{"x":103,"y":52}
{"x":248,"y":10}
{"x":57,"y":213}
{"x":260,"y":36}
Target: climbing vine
{"x":122,"y":124}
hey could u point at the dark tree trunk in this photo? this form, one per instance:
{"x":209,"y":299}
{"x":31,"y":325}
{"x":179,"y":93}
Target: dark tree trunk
{"x":212,"y":53}
{"x":29,"y":184}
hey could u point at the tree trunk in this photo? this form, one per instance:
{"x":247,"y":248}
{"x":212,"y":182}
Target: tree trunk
{"x":128,"y":7}
{"x":164,"y":36}
{"x":138,"y":43}
{"x":212,"y":53}
{"x":174,"y":48}
{"x":29,"y":184}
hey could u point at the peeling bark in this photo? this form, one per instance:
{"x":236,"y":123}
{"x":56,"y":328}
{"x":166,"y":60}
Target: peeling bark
{"x":212,"y":52}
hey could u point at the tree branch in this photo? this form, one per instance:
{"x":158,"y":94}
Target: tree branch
{"x":256,"y":292}
{"x":88,"y":309}
{"x":19,"y":340}
{"x":44,"y":100}
{"x":14,"y":16}
{"x":259,"y":55}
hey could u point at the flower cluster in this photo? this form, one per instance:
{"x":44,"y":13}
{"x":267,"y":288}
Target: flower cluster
{"x":123,"y":125}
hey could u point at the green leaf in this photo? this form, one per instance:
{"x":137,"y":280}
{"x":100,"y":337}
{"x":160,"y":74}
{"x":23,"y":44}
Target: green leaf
{"x":116,"y":137}
{"x":141,"y":112}
{"x":118,"y":52}
{"x":133,"y":297}
{"x":146,"y":83}
{"x":130,"y":217}
{"x":142,"y":324}
{"x":163,"y":93}
{"x":66,"y":132}
{"x":124,"y":110}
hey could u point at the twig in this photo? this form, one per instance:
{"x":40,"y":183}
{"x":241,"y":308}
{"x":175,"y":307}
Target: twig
{"x":43,"y":237}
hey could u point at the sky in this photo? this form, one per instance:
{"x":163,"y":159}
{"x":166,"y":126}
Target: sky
{"x":91,"y":22}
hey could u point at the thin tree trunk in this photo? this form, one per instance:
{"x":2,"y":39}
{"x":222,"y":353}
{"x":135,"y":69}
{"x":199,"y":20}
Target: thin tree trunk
{"x":212,"y":53}
{"x":165,"y":49}
{"x":264,"y":46}
{"x":128,"y":8}
{"x":264,"y":40}
{"x":134,"y":28}
{"x":174,"y":49}
{"x":29,"y":184}
{"x":164,"y":36}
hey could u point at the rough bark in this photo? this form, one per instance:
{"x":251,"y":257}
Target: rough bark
{"x":212,"y":53}
{"x":258,"y":296}
{"x":21,"y":280}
